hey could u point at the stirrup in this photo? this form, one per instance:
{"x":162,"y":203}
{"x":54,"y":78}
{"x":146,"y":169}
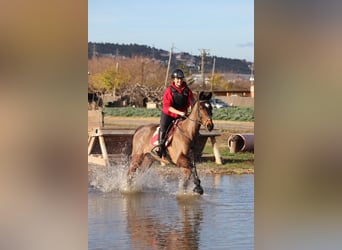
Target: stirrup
{"x":157,"y":151}
{"x":160,"y":152}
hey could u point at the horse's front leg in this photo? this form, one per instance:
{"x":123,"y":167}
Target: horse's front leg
{"x":188,"y":170}
{"x":198,"y":188}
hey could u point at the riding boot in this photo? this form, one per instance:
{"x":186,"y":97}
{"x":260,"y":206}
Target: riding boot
{"x":161,"y":138}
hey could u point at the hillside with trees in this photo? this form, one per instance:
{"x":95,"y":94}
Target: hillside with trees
{"x":193,"y":62}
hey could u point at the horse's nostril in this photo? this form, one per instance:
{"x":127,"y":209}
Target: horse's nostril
{"x":210,"y":127}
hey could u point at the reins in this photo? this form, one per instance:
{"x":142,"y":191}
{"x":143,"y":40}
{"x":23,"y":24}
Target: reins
{"x":197,"y":121}
{"x":193,"y":120}
{"x":199,"y":115}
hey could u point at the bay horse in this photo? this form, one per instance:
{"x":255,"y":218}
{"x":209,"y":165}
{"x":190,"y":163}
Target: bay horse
{"x":178,"y":151}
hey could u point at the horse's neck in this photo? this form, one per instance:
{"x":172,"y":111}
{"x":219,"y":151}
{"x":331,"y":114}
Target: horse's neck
{"x":191,"y":125}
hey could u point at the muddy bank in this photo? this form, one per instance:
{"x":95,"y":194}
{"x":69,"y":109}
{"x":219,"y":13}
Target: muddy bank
{"x":203,"y":170}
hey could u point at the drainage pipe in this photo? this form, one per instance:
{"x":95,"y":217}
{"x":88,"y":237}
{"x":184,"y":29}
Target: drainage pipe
{"x":241,"y":143}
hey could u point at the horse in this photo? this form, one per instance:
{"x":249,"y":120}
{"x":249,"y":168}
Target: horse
{"x":178,"y":151}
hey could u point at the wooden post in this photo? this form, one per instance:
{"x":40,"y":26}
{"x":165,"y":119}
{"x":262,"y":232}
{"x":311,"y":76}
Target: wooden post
{"x":103,"y":149}
{"x":91,"y":144}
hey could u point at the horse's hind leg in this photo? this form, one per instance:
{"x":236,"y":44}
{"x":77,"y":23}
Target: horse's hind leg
{"x":186,"y":178}
{"x":135,"y":163}
{"x":146,"y":162}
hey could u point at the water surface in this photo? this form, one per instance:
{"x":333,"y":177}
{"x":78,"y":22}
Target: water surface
{"x":158,"y":216}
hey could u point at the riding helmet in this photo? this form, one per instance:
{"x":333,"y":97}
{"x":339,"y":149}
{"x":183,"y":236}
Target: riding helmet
{"x":177,"y":73}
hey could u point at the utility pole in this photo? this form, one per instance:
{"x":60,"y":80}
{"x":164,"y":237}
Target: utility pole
{"x":142,"y":71}
{"x":251,"y":79}
{"x":152,"y":51}
{"x":168,"y":66}
{"x":204,"y":53}
{"x":94,"y":51}
{"x":212,"y":75}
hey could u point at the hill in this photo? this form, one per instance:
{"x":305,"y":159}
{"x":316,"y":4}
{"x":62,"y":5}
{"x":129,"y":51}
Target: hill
{"x":193,"y":62}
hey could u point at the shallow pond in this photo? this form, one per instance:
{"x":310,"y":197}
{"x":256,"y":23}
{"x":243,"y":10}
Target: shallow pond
{"x":156,"y":215}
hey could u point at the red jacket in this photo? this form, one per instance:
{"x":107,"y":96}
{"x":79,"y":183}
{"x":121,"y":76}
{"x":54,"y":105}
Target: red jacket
{"x":168,"y":100}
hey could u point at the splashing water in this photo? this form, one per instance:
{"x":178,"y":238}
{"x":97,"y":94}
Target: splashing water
{"x":107,"y":179}
{"x":184,"y":190}
{"x":114,"y":178}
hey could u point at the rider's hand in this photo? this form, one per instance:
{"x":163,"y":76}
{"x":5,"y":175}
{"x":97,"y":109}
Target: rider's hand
{"x":181,"y":113}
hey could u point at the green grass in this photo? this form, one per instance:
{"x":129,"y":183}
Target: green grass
{"x":131,"y":112}
{"x":241,"y":160}
{"x":225,"y":114}
{"x":230,"y":161}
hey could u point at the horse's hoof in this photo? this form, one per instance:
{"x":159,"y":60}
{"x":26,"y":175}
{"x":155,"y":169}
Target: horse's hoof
{"x":198,"y":189}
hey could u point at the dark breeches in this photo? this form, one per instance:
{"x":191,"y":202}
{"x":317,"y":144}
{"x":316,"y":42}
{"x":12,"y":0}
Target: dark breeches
{"x":165,"y":122}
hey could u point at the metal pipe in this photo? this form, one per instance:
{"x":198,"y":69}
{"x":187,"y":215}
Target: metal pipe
{"x":241,"y":143}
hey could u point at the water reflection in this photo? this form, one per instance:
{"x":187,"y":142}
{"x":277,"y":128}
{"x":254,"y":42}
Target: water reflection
{"x":158,"y":218}
{"x":217,"y":180}
{"x":149,"y":229}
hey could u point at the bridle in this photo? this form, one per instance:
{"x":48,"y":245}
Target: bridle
{"x":196,"y":120}
{"x":200,"y":116}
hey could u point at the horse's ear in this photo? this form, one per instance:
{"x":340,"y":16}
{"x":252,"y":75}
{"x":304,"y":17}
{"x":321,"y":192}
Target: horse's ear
{"x":205,"y":96}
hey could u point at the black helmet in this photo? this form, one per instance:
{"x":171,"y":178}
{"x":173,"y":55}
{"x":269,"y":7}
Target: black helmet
{"x":177,"y":73}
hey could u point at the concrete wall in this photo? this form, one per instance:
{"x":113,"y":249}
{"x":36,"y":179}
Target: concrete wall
{"x":238,"y":101}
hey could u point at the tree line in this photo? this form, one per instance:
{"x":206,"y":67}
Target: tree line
{"x":222,"y":65}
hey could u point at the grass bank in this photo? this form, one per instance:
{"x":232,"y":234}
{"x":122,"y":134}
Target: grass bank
{"x":233,"y":163}
{"x":224,"y":114}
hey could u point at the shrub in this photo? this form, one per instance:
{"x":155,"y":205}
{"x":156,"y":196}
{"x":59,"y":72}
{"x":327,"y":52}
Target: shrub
{"x":225,"y":114}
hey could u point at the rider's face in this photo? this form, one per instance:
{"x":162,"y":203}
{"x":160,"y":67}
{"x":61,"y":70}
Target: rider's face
{"x":178,"y":82}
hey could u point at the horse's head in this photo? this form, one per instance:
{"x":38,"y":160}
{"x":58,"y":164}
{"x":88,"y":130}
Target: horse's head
{"x":205,"y":110}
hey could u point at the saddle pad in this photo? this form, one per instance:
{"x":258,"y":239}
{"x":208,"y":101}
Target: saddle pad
{"x":154,"y":138}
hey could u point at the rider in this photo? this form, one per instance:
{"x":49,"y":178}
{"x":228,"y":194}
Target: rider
{"x":177,"y":99}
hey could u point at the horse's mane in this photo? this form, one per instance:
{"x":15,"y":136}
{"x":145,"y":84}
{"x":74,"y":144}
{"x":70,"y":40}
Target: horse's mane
{"x":203,"y":97}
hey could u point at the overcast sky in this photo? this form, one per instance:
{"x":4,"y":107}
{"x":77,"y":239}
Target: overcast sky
{"x":224,"y":27}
